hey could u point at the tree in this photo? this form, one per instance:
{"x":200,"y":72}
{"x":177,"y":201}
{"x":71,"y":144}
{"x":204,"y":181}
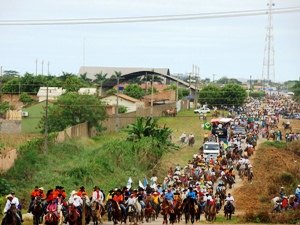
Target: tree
{"x":73,"y":83}
{"x":100,"y":78}
{"x":210,"y":95}
{"x":85,"y":78}
{"x":73,"y":108}
{"x":134,"y":91}
{"x":26,"y":98}
{"x":233,"y":94}
{"x":12,"y":86}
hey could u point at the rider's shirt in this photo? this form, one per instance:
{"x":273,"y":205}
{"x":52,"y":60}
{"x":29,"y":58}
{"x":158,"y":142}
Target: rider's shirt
{"x":97,"y":196}
{"x":229,"y":199}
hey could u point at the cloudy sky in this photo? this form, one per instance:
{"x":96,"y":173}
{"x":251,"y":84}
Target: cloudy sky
{"x":232,"y":47}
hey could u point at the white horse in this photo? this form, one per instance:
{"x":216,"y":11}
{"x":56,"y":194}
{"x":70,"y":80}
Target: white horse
{"x":140,"y":212}
{"x":60,"y":214}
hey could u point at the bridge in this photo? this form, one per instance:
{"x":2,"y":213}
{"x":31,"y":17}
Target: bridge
{"x":128,"y":73}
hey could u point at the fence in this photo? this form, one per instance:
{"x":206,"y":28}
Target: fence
{"x":7,"y":159}
{"x":128,"y":118}
{"x":79,"y":130}
{"x":13,"y":115}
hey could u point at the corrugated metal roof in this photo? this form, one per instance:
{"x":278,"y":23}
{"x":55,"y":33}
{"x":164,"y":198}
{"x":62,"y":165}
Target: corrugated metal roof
{"x":91,"y":71}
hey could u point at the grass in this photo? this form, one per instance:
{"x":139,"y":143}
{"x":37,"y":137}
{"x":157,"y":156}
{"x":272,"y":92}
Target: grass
{"x":35,"y":113}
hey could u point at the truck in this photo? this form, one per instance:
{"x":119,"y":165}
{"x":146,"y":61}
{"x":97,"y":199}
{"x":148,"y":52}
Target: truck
{"x":211,"y":149}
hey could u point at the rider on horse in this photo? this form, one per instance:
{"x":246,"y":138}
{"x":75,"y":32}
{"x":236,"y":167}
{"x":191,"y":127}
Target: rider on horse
{"x":191,"y":194}
{"x":169,"y":196}
{"x":12,"y":200}
{"x":119,"y":198}
{"x":230,"y":200}
{"x":76,"y":201}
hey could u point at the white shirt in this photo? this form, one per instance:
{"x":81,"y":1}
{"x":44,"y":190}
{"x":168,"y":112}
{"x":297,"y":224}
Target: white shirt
{"x":229,"y":199}
{"x":131,"y":201}
{"x":75,"y":200}
{"x":97,"y":196}
{"x":8,"y":204}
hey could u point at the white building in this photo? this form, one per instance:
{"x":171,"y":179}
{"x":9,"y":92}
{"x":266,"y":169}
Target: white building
{"x":124,"y":100}
{"x":53,"y":93}
{"x":88,"y":91}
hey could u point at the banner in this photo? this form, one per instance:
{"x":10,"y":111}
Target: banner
{"x":141,"y":185}
{"x":207,"y":126}
{"x":145,"y":183}
{"x":129,"y":182}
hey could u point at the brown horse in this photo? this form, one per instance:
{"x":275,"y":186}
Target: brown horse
{"x":97,"y":212}
{"x":149,"y":211}
{"x":51,"y":218}
{"x":178,"y":209}
{"x":210,"y":211}
{"x":116,"y":213}
{"x":167,"y":210}
{"x":74,"y":217}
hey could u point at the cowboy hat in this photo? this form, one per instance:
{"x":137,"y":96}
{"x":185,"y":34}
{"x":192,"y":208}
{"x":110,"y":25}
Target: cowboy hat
{"x":73,"y":192}
{"x":9,"y":196}
{"x":41,"y":188}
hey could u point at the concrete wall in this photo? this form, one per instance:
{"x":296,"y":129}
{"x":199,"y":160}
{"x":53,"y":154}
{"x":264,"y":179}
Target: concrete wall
{"x":127,"y":118}
{"x":10,"y":126}
{"x":79,"y":130}
{"x":7,"y":159}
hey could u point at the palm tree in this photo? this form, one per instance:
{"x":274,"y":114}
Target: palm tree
{"x":85,"y":78}
{"x":100,"y":78}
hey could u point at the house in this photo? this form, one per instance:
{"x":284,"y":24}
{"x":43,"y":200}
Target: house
{"x":158,"y":98}
{"x":87,"y":91}
{"x":53,"y":93}
{"x":124,"y":100}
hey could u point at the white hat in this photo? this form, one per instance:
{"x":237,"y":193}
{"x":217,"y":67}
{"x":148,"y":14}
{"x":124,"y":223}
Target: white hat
{"x":73,"y":192}
{"x":41,"y":188}
{"x":298,"y":185}
{"x":9,"y":196}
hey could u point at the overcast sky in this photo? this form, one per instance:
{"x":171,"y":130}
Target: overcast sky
{"x":232,"y":47}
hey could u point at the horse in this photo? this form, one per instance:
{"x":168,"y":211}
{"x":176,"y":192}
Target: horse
{"x":74,"y":217}
{"x":131,"y":214}
{"x":189,"y":210}
{"x":250,"y":174}
{"x":287,"y":126}
{"x":37,"y":211}
{"x":228,"y":210}
{"x":210,"y":211}
{"x":116,"y":212}
{"x":51,"y":218}
{"x":250,"y":151}
{"x":178,"y":209}
{"x":140,"y":212}
{"x":191,"y":141}
{"x":97,"y":212}
{"x":11,"y":217}
{"x":170,"y":112}
{"x":149,"y":211}
{"x":167,"y":209}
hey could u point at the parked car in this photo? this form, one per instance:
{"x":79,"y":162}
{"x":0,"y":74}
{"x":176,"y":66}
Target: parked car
{"x":202,"y":110}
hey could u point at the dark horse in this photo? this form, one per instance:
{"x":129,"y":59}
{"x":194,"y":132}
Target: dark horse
{"x":74,"y":217}
{"x":189,"y":210}
{"x":11,"y":217}
{"x":115,"y":212}
{"x":37,"y":211}
{"x":228,"y":210}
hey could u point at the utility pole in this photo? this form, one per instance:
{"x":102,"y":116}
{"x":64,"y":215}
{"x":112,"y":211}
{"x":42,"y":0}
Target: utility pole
{"x":214,"y":78}
{"x":177,"y":92}
{"x":46,"y":121}
{"x":196,"y":87}
{"x":151,"y":110}
{"x":268,"y":63}
{"x":48,"y":72}
{"x":117,"y":108}
{"x":42,"y":67}
{"x":36,"y":66}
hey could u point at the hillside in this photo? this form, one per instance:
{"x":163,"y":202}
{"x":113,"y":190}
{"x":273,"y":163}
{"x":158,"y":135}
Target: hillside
{"x":275,"y":164}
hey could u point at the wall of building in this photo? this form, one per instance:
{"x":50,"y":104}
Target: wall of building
{"x":10,"y":126}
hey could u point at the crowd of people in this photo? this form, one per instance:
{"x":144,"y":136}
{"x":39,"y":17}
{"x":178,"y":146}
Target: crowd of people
{"x":205,"y":179}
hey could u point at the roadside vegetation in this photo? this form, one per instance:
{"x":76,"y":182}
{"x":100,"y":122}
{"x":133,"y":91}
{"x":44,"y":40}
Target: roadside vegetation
{"x":276,"y":165}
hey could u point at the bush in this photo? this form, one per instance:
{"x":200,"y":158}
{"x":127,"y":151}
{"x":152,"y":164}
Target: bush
{"x":25,"y":98}
{"x":122,"y":109}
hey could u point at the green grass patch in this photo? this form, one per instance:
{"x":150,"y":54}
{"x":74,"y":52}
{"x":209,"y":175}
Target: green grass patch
{"x":35,"y":113}
{"x":275,"y":144}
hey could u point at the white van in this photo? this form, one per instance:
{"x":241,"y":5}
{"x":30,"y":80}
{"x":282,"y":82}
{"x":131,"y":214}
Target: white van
{"x":211,"y":150}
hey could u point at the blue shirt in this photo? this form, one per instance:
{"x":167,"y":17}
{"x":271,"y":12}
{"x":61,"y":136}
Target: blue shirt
{"x":191,"y":194}
{"x":169,"y":195}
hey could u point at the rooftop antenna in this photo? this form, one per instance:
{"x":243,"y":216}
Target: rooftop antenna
{"x":268,"y":71}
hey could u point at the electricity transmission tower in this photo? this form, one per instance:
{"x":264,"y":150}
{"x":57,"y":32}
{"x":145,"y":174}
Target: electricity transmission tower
{"x":268,"y":72}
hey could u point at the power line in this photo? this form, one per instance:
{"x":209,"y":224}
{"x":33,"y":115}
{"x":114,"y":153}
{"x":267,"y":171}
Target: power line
{"x":142,"y":19}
